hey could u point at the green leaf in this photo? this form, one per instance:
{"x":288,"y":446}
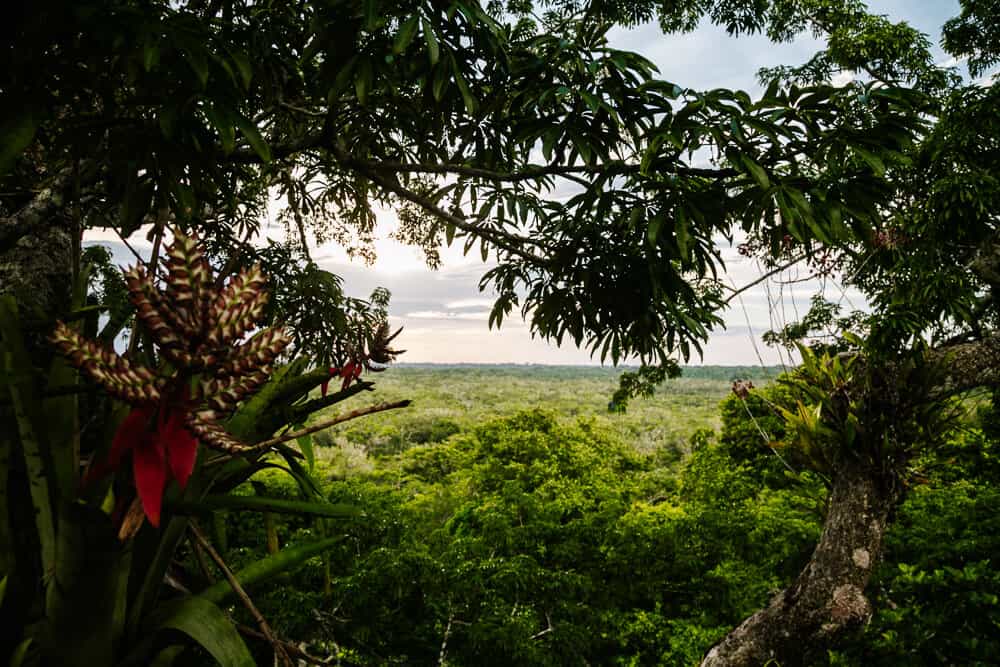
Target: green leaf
{"x":433,"y":49}
{"x":370,"y":10}
{"x":206,"y":624}
{"x":471,"y":104}
{"x":167,"y":656}
{"x":243,"y":66}
{"x":222,"y":120}
{"x":16,"y":135}
{"x":86,"y":576}
{"x":756,"y":171}
{"x":20,"y":653}
{"x":198,"y":60}
{"x":874,"y":161}
{"x":62,"y":426}
{"x":213,"y":503}
{"x":440,"y":80}
{"x":25,"y":404}
{"x":683,"y":237}
{"x":363,"y":80}
{"x":653,"y":231}
{"x":306,"y":445}
{"x":267,"y":568}
{"x":406,"y":33}
{"x":135,"y":205}
{"x":150,"y":55}
{"x":253,"y":135}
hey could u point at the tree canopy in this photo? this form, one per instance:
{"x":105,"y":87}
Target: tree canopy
{"x":598,"y":190}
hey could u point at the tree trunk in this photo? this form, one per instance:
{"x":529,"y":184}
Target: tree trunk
{"x":827,"y":599}
{"x":36,"y":265}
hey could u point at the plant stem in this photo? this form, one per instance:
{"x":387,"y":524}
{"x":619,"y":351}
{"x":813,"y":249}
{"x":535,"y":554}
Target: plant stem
{"x":265,"y":628}
{"x":327,"y":423}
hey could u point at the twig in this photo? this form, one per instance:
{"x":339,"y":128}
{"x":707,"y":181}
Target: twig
{"x":547,"y":630}
{"x":512,"y":243}
{"x":772,"y":272}
{"x":443,"y":655}
{"x":327,"y":423}
{"x":135,"y":253}
{"x":279,"y":649}
{"x":199,"y":556}
{"x":291,"y":648}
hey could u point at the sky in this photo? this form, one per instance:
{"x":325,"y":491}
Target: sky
{"x":444,"y":315}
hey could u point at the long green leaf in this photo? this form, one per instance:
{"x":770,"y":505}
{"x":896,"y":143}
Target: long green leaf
{"x":20,"y":653}
{"x":253,"y":135}
{"x":264,"y":504}
{"x":86,"y":577}
{"x":22,"y":396}
{"x":206,"y":624}
{"x":433,"y":49}
{"x":405,"y":35}
{"x":62,"y":426}
{"x":306,"y":445}
{"x":267,"y":568}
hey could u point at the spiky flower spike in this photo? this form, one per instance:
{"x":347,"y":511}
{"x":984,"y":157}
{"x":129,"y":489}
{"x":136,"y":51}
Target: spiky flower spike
{"x":197,"y":328}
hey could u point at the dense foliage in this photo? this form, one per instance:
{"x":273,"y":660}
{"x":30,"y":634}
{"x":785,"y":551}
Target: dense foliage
{"x":599,"y":192}
{"x":553,"y":542}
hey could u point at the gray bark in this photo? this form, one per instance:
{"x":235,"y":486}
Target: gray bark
{"x":36,"y":265}
{"x":827,"y":599}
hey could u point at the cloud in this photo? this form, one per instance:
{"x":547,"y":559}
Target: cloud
{"x":469,"y":303}
{"x":482,"y":315}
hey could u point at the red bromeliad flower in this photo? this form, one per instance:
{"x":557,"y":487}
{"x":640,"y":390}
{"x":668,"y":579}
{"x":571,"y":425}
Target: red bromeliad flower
{"x":350,"y":373}
{"x":201,"y":330}
{"x":161,"y":447}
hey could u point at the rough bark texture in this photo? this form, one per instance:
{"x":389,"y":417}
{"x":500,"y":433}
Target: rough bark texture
{"x":968,"y":365}
{"x":827,"y":599}
{"x":36,"y":267}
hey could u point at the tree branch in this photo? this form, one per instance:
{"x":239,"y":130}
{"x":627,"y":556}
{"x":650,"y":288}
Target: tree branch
{"x":300,"y":412}
{"x":509,"y":242}
{"x":967,"y":366}
{"x":289,"y":647}
{"x":49,"y":201}
{"x":279,"y":649}
{"x":325,"y":424}
{"x":773,"y":272}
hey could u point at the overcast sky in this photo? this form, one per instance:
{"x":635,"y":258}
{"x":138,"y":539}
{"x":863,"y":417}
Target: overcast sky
{"x":445,"y":316}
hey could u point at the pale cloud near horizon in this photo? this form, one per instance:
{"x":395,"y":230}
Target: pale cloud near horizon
{"x":443,"y":313}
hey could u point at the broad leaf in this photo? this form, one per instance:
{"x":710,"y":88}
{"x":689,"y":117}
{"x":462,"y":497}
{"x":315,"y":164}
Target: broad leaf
{"x":207,"y":625}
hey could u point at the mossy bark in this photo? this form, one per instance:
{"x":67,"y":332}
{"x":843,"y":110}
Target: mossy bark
{"x":827,"y":599}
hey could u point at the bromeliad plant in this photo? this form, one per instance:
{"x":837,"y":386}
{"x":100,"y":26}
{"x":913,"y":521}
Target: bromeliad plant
{"x":198,"y":329}
{"x":94,"y":555}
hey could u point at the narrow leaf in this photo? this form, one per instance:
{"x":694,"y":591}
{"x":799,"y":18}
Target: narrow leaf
{"x":213,"y":503}
{"x":433,"y":49}
{"x":406,"y":33}
{"x":306,"y":445}
{"x":267,"y":568}
{"x":25,"y":404}
{"x":253,"y":135}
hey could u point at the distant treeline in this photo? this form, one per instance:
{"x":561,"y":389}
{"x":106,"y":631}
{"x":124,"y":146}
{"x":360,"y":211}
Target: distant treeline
{"x":553,"y":371}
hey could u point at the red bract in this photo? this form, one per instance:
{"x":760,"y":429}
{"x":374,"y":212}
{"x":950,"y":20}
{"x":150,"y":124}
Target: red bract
{"x":333,"y":370}
{"x":159,"y":453}
{"x":350,"y":373}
